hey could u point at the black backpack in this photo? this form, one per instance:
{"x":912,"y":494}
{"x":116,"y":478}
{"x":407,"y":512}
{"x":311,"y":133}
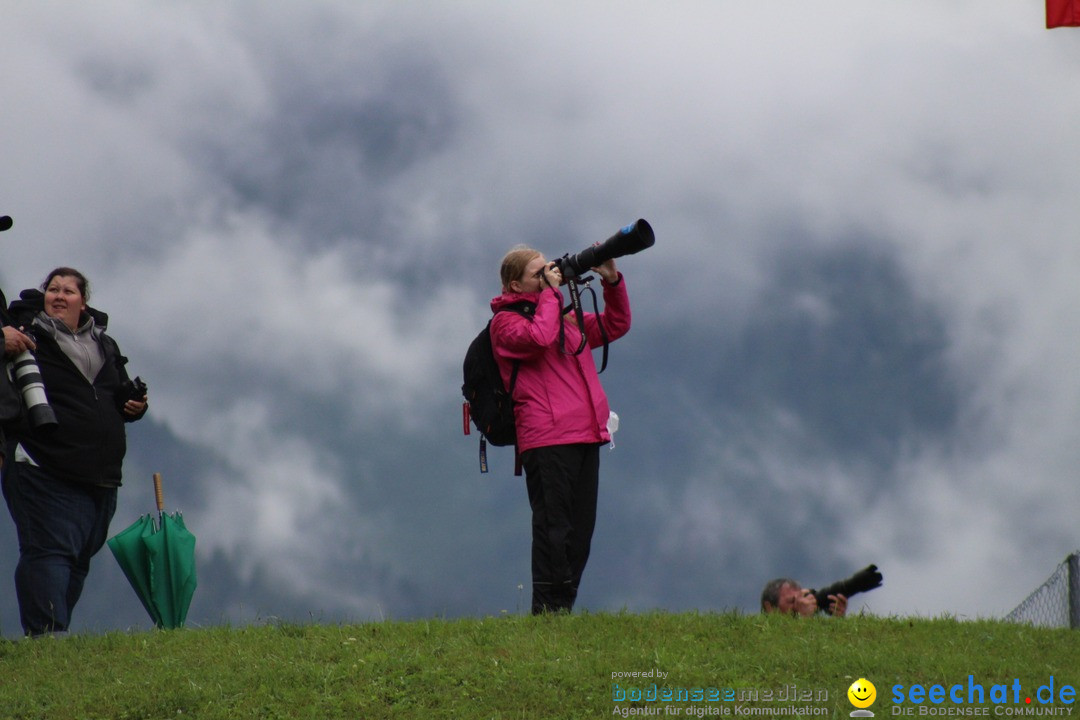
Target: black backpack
{"x":488,"y":403}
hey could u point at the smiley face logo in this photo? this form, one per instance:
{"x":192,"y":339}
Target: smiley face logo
{"x":862,"y":693}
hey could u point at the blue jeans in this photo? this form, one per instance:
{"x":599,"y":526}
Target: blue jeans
{"x":60,"y":526}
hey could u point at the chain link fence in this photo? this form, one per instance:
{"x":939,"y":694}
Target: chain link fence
{"x":1055,"y":603}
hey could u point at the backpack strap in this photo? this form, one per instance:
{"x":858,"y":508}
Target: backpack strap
{"x":513,"y":379}
{"x":525,"y":309}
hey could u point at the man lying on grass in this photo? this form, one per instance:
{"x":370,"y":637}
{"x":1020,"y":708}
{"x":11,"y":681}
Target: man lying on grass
{"x":784,"y":595}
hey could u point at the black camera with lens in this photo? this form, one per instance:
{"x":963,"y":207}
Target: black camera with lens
{"x":631,"y":239}
{"x":866,"y":579}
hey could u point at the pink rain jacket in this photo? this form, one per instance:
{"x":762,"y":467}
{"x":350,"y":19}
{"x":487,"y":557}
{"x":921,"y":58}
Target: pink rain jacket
{"x":558,"y":399}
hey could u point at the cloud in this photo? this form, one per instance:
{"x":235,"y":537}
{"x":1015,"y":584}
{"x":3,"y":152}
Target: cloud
{"x":853,"y":342}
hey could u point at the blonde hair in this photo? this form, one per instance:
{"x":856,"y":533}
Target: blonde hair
{"x":513,"y":264}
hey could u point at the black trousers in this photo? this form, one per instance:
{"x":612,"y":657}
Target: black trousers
{"x":563,"y":482}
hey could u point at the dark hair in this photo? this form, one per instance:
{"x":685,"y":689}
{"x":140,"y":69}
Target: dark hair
{"x":80,"y":280}
{"x":771,"y":593}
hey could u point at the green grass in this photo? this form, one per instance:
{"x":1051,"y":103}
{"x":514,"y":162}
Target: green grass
{"x":521,"y":667}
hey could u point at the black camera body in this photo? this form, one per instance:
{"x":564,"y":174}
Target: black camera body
{"x":866,"y":579}
{"x":130,"y":390}
{"x":633,"y":238}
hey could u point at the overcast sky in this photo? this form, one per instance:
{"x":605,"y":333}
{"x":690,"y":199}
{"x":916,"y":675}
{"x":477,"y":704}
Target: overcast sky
{"x":854,"y":341}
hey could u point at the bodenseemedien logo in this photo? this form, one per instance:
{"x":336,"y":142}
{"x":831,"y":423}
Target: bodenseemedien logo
{"x":862,"y":695}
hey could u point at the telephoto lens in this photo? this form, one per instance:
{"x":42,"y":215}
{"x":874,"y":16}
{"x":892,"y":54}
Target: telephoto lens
{"x":27,"y":377}
{"x":866,"y":579}
{"x":633,"y":238}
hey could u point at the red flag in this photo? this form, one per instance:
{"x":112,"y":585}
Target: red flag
{"x":1062,"y":13}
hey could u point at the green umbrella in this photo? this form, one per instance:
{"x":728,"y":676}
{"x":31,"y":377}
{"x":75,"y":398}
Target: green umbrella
{"x":158,"y":559}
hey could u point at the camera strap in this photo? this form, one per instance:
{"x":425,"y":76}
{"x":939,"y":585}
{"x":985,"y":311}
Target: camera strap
{"x":579,"y":315}
{"x":575,"y":306}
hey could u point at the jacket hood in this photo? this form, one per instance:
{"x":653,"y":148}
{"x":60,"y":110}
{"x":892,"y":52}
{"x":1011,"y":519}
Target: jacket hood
{"x":32,"y":301}
{"x":509,"y":298}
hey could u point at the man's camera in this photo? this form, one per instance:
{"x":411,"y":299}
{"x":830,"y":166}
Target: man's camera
{"x":866,"y":579}
{"x":631,"y":239}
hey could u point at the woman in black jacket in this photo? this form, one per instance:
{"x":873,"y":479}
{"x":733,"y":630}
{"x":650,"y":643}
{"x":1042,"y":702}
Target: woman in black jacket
{"x":60,"y":483}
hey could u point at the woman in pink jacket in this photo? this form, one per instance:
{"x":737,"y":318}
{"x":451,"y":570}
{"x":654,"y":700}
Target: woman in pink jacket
{"x":561,"y":412}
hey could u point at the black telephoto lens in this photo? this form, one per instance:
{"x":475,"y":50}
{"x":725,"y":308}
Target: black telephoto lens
{"x":631,"y":239}
{"x":866,"y":579}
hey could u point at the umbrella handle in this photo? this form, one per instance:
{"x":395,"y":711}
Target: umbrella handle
{"x":159,"y":495}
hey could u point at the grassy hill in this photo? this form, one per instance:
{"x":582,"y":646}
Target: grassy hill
{"x":576,"y":666}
